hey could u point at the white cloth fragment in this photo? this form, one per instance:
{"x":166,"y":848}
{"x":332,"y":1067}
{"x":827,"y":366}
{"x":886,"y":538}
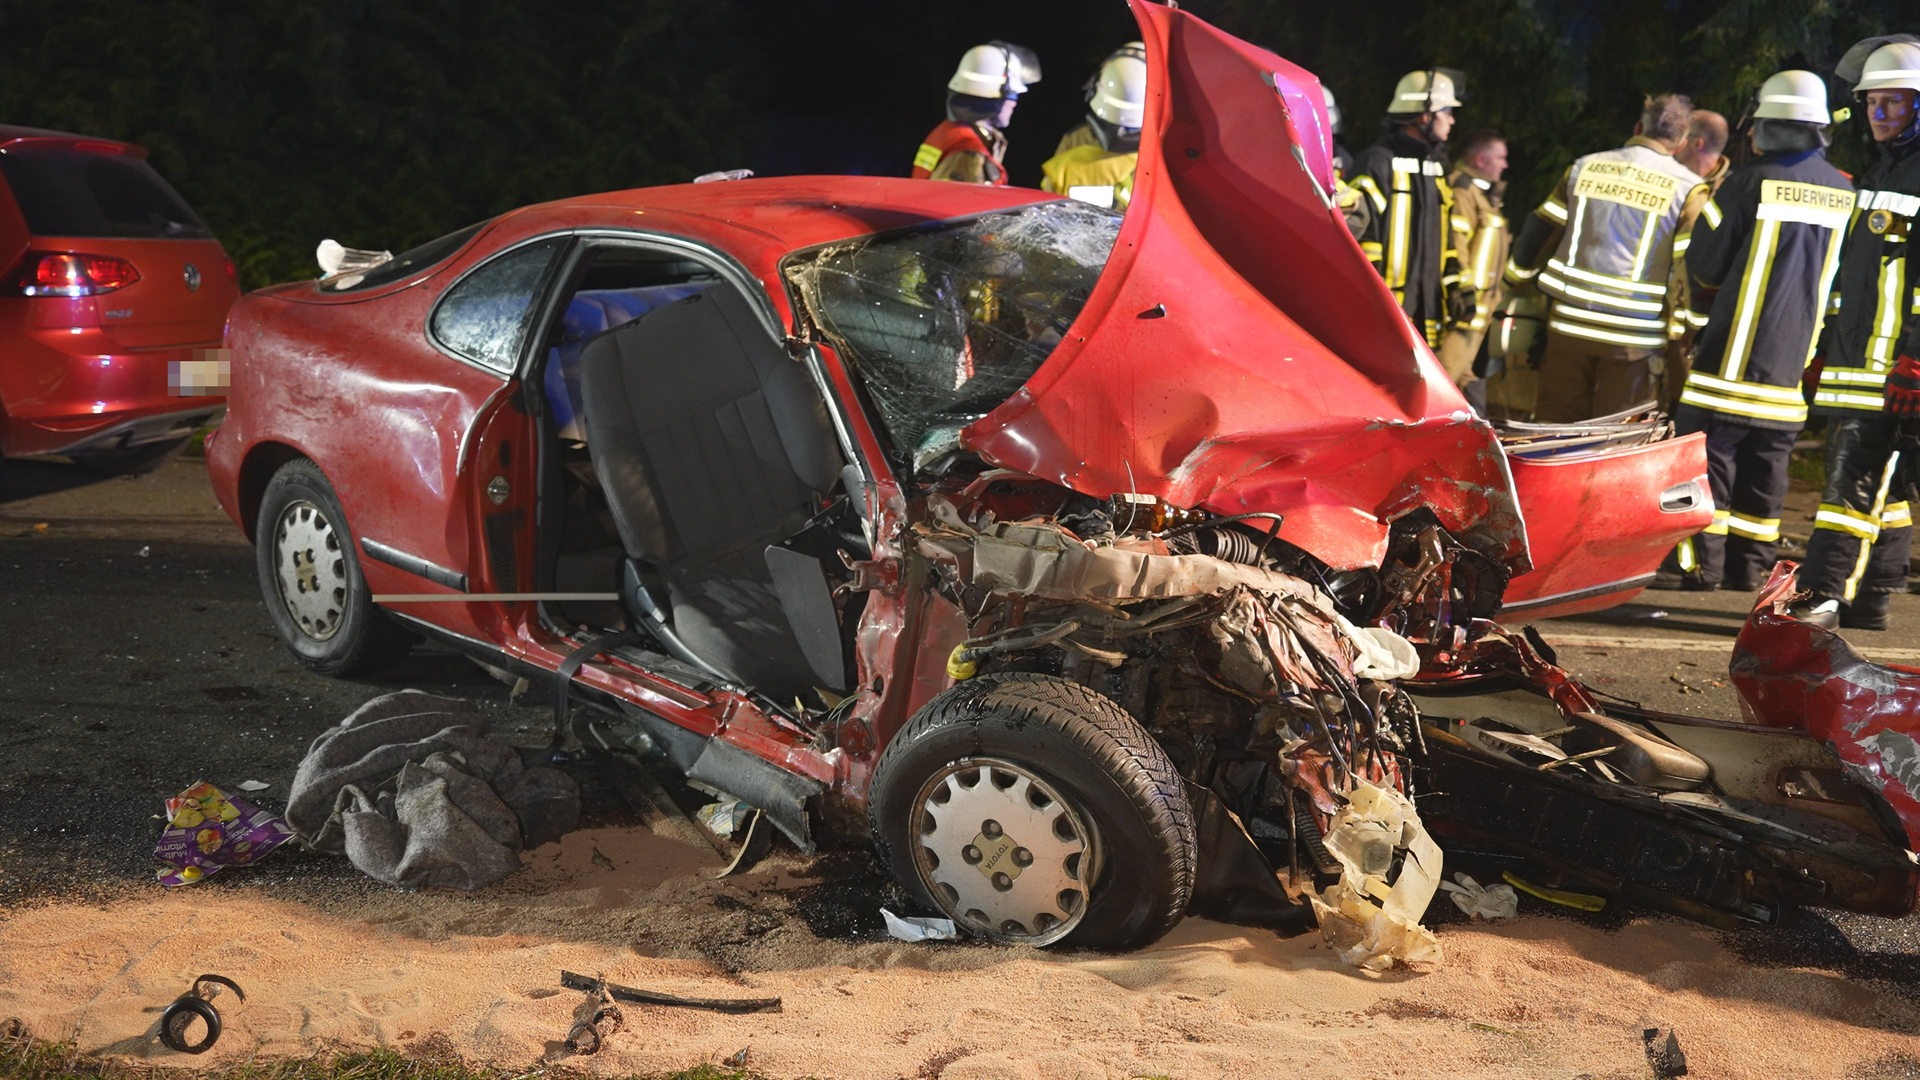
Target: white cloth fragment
{"x":918,"y":928}
{"x":1482,"y":901}
{"x":1371,"y":923}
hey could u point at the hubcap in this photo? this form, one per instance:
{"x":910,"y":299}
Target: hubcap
{"x":1002,"y":852}
{"x":313,"y":570}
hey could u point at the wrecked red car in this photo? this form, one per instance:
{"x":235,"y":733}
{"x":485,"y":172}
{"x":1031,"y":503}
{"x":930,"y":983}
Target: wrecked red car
{"x":1090,"y":563}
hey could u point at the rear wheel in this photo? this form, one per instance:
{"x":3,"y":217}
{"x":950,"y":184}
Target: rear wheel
{"x":310,"y":578}
{"x":1030,"y":809}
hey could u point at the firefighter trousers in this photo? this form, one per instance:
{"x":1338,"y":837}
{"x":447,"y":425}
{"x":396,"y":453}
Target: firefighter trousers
{"x":1580,"y":379}
{"x":1863,"y":536}
{"x":1747,"y":471}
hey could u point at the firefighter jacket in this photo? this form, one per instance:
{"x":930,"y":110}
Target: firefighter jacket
{"x":1409,"y":237}
{"x":1762,"y":261}
{"x":1091,"y":173}
{"x":1603,"y":243}
{"x":970,"y":153}
{"x":1875,"y":292}
{"x":1481,"y":238}
{"x":1081,"y":134}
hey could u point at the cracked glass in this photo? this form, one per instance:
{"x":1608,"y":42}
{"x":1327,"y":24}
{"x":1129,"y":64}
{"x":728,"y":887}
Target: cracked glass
{"x":942,"y":324}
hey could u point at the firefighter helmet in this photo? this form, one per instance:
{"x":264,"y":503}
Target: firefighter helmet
{"x":1120,"y":93}
{"x":1893,"y":66}
{"x":995,"y":70}
{"x":1800,"y":96}
{"x":1516,"y":329}
{"x":1333,"y":109}
{"x":1424,"y":91}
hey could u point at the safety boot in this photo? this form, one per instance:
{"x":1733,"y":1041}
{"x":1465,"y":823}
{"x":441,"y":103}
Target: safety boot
{"x":1867,"y":612}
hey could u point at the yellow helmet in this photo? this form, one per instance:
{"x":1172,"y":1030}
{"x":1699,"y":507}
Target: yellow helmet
{"x":1423,"y":91}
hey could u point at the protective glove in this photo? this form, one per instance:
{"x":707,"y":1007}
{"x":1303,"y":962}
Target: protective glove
{"x":1903,"y":387}
{"x":1460,"y":304}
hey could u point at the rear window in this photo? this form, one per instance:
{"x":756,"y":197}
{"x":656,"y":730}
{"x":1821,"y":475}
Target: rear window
{"x":403,"y":264}
{"x":70,"y":193}
{"x":943,"y":324}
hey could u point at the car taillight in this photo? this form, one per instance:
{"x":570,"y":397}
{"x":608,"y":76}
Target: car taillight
{"x":45,"y":273}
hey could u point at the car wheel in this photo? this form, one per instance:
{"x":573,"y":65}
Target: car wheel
{"x":310,"y":578}
{"x":1031,"y":809}
{"x":132,"y":460}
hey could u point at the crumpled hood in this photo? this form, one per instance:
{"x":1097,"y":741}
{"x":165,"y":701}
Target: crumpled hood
{"x":1239,"y":353}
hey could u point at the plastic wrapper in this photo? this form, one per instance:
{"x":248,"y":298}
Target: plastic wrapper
{"x":209,"y":830}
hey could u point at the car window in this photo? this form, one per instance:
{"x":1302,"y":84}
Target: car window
{"x":419,"y":258}
{"x":72,"y":193}
{"x":484,"y":317}
{"x":945,"y":323}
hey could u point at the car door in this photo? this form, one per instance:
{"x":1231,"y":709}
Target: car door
{"x":471,"y":530}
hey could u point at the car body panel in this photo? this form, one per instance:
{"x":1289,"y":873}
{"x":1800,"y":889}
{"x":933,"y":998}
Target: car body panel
{"x":94,"y":373}
{"x":1315,"y":398}
{"x":1795,"y":675}
{"x":1596,"y":535}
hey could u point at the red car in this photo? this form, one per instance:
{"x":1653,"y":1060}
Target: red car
{"x":112,"y":286}
{"x":1088,"y":560}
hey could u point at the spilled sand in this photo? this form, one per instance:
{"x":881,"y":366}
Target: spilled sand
{"x":478,"y":973}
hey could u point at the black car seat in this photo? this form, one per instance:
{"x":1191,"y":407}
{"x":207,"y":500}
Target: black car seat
{"x":713,"y":447}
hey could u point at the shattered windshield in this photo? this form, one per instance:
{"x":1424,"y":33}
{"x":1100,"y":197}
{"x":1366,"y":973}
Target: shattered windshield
{"x":944,"y":324}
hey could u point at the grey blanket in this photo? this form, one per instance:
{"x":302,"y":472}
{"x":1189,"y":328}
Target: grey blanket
{"x":415,"y":793}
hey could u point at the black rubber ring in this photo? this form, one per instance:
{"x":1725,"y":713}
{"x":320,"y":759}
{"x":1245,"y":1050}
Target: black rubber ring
{"x":179,"y":1016}
{"x":583,"y":1038}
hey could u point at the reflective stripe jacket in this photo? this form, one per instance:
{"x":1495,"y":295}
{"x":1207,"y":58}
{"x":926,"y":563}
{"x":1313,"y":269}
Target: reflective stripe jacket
{"x":1876,"y":293}
{"x":1091,"y":173}
{"x":1769,"y":242}
{"x":1409,"y":238}
{"x":1608,"y":236}
{"x":970,"y":153}
{"x":1481,"y":238}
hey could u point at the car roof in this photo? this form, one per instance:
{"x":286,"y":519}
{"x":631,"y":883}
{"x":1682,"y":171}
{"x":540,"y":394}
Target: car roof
{"x":793,"y":211}
{"x":13,"y":135}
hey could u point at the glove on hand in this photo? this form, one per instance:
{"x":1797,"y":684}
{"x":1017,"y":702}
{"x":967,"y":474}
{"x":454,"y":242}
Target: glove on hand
{"x":1903,"y":387}
{"x":1460,"y":305}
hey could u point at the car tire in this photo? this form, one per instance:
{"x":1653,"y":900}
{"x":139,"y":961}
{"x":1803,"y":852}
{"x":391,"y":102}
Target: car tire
{"x":131,"y":461}
{"x":1025,"y":776}
{"x":310,"y":578}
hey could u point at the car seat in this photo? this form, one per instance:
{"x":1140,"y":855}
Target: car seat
{"x":589,"y":313}
{"x":713,"y":447}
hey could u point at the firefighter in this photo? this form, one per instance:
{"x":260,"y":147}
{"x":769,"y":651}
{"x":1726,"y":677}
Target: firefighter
{"x":1600,"y":249}
{"x":1480,"y":237}
{"x":1101,"y":172}
{"x":1403,"y":177}
{"x":971,"y":145}
{"x":1702,"y":152}
{"x":1761,"y":264}
{"x":1857,"y":557}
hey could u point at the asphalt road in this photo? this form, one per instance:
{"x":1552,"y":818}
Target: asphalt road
{"x":136,"y":659}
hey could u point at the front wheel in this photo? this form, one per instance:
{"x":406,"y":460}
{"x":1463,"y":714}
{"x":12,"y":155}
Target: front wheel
{"x":310,"y":578}
{"x":1032,"y":810}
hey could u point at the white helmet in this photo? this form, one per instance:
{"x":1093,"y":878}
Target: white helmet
{"x":1120,"y":92}
{"x":995,"y":70}
{"x":1893,"y":66}
{"x":1800,"y":96}
{"x":1333,"y":109}
{"x":1423,"y":91}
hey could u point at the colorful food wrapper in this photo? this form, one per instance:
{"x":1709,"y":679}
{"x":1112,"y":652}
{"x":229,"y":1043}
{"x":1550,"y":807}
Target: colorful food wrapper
{"x":209,"y":830}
